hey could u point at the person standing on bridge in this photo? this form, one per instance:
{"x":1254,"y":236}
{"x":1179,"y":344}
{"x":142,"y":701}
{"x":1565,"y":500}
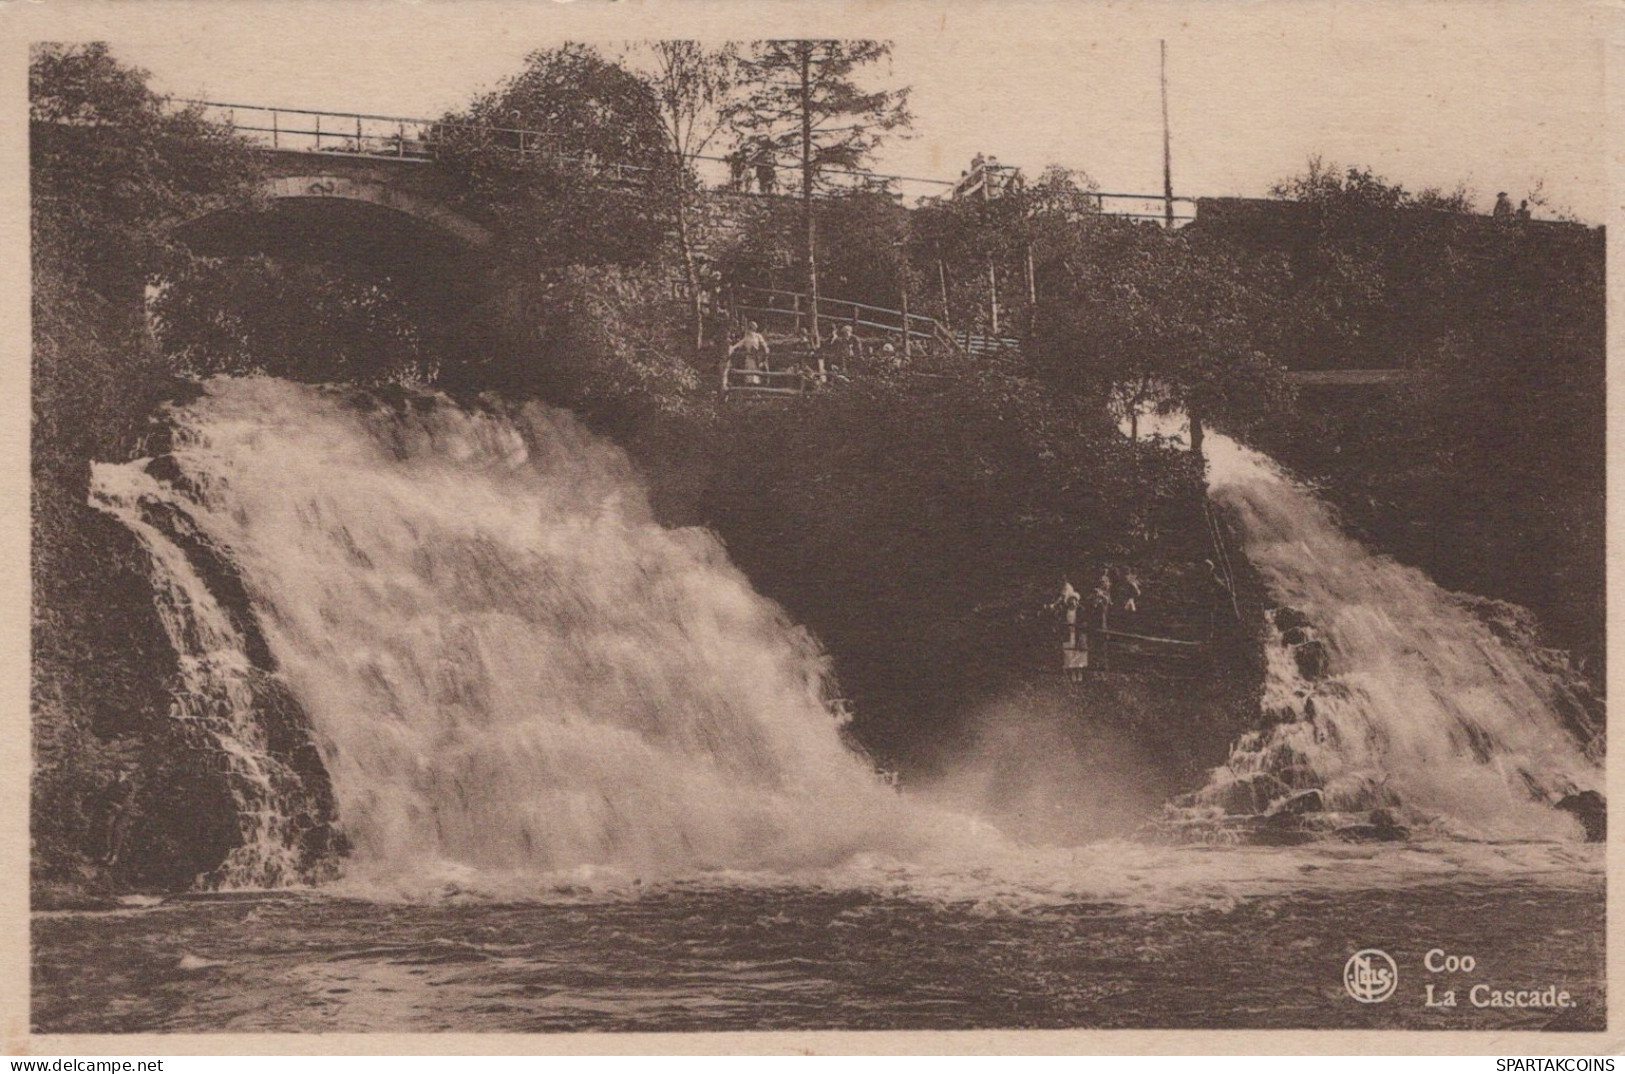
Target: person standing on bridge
{"x":767,"y":173}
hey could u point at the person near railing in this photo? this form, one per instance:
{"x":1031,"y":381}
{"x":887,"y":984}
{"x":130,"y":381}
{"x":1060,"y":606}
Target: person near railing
{"x":755,"y":348}
{"x":1129,"y":585}
{"x":841,"y":350}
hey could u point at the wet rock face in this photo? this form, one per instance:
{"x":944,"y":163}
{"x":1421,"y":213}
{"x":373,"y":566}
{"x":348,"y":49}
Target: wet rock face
{"x":1253,"y":795}
{"x":1382,"y":827}
{"x":1288,"y":619}
{"x":1309,"y":801}
{"x":1592,"y":810}
{"x":1296,"y":636}
{"x":1313,"y":660}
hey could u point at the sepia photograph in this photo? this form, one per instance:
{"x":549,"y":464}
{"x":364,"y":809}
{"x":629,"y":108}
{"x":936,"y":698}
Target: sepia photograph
{"x":939,"y":517}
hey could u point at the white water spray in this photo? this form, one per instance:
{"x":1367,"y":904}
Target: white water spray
{"x":512,"y":670}
{"x":1419,"y":705}
{"x":508,"y":664}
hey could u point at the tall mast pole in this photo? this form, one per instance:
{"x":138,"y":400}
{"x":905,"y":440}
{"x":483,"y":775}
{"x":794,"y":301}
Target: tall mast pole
{"x":807,"y":220}
{"x":1167,"y":152}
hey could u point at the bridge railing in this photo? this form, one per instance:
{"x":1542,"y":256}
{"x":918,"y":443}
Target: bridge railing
{"x":304,"y":130}
{"x":413,"y":138}
{"x":407,"y":138}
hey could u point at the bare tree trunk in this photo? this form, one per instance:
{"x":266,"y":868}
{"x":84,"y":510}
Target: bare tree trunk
{"x":904,"y":312}
{"x":1032,"y":290}
{"x":1195,"y":417}
{"x":993,"y":296}
{"x":691,"y":271}
{"x":807,"y":219}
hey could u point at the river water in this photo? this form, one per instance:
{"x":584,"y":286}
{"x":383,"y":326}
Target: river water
{"x":589,"y":779}
{"x":735,"y":954}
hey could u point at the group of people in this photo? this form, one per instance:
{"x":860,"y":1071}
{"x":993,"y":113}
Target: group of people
{"x":839,"y":354}
{"x":1117,"y":589}
{"x":753,"y":162}
{"x":1503,"y":208}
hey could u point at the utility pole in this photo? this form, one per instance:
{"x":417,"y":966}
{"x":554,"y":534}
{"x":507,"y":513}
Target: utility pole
{"x":807,"y":221}
{"x":1167,"y":151}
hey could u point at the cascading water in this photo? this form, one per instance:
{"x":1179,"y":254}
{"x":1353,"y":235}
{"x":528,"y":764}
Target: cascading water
{"x":511,"y":669}
{"x":525,"y":689}
{"x":220,"y":695}
{"x":1385,"y":690}
{"x":508,"y":665}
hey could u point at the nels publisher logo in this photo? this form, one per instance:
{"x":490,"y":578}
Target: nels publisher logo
{"x":1370,"y":975}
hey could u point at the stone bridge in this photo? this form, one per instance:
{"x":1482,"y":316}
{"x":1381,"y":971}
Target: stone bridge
{"x":394,"y":213}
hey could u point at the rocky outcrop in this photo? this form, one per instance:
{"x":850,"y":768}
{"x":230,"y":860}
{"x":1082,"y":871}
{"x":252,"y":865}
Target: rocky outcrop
{"x":1592,"y":810}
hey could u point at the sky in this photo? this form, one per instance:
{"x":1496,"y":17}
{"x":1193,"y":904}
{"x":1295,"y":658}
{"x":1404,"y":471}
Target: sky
{"x":1498,"y":95}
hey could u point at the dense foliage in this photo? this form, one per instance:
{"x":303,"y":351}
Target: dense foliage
{"x":921,"y":527}
{"x":314,"y":322}
{"x":568,"y":193}
{"x":1489,"y":471}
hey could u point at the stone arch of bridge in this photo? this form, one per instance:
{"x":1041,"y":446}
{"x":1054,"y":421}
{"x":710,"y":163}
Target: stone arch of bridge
{"x":435,"y":258}
{"x":469,"y":234}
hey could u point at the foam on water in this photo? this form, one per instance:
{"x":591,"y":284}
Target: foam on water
{"x":1420,"y":706}
{"x":508,"y":663}
{"x":521,"y":684}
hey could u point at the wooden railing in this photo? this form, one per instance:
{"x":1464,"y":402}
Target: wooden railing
{"x":737,"y":379}
{"x":795,"y":308}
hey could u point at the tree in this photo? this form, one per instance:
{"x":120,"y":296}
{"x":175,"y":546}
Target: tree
{"x":564,"y":155}
{"x":691,"y":83}
{"x":115,"y":167}
{"x":1135,"y":316}
{"x":984,"y":239}
{"x":801,"y":104}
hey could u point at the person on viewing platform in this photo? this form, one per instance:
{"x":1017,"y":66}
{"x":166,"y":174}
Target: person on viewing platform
{"x":1102,"y":596}
{"x":1131,"y":590}
{"x":1503,"y":206}
{"x":1523,"y":209}
{"x":755,"y":349}
{"x":1067,"y":604}
{"x":738,"y":177}
{"x":842,"y":348}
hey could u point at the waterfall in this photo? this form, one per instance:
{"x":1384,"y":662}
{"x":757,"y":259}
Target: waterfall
{"x":508,"y":665}
{"x":510,"y":668}
{"x":1384,"y":690}
{"x":221,"y":696}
